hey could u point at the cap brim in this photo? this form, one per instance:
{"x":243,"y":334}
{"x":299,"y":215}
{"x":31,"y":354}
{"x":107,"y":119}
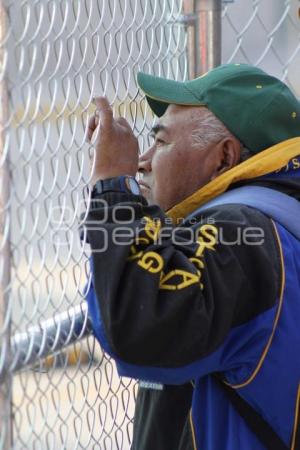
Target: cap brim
{"x":161,"y":92}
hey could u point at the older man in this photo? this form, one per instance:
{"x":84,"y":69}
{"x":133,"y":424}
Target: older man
{"x":196,"y":292}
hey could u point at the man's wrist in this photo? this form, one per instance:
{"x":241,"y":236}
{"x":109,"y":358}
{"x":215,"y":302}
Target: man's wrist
{"x":124,"y":184}
{"x":101,"y":177}
{"x":97,"y":176}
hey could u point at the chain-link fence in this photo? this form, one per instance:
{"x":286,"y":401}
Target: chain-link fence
{"x":264,"y":33}
{"x":55,"y":56}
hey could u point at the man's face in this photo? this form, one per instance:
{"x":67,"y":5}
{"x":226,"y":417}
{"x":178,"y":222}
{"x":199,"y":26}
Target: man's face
{"x":173,"y":168}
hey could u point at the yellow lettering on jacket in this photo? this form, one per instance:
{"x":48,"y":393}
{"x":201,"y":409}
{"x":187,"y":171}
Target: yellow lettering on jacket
{"x":134,"y":254}
{"x":296,"y":163}
{"x":200,"y":265}
{"x":209,"y":232}
{"x":178,"y":279}
{"x":197,"y":262}
{"x":152,"y":262}
{"x":152,"y":228}
{"x":139,"y":240}
{"x":293,"y":164}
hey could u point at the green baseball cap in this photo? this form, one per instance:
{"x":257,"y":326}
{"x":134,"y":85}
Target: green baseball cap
{"x":257,"y":108}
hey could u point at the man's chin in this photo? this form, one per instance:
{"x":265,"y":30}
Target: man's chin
{"x":151,"y":199}
{"x":146,"y":192}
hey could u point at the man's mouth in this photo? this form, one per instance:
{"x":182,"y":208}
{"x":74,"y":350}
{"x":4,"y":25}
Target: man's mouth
{"x":144,"y":185}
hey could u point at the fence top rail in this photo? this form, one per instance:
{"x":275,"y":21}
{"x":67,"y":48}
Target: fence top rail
{"x":47,"y":338}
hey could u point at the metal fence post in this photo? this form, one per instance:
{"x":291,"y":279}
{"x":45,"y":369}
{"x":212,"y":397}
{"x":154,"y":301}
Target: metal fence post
{"x":5,"y":257}
{"x":204,"y":37}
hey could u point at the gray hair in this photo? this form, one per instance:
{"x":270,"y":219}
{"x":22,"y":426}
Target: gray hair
{"x":245,"y":153}
{"x":211,"y":131}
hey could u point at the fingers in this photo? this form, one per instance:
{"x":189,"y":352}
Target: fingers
{"x":92,"y":125}
{"x":105,"y":112}
{"x":104,"y":116}
{"x":122,"y":121}
{"x":97,"y":120}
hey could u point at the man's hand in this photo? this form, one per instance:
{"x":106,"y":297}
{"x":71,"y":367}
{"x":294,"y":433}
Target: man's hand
{"x":116,"y":147}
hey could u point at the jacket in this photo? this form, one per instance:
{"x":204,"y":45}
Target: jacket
{"x":217,"y":294}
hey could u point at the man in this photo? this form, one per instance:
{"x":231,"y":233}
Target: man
{"x":202,"y":304}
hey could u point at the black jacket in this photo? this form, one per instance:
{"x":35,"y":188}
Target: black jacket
{"x":146,"y":328}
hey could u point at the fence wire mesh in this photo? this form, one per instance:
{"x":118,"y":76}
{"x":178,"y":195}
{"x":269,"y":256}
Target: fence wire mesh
{"x":55,"y":56}
{"x":264,"y":33}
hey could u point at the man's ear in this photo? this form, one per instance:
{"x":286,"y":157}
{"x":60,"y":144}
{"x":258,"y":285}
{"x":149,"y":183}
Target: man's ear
{"x":228,"y":154}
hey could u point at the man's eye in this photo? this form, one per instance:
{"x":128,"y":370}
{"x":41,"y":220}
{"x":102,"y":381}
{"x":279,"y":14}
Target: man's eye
{"x":157,"y":141}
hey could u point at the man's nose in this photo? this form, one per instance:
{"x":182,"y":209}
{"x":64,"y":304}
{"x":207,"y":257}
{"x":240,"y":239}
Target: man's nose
{"x":145,"y":161}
